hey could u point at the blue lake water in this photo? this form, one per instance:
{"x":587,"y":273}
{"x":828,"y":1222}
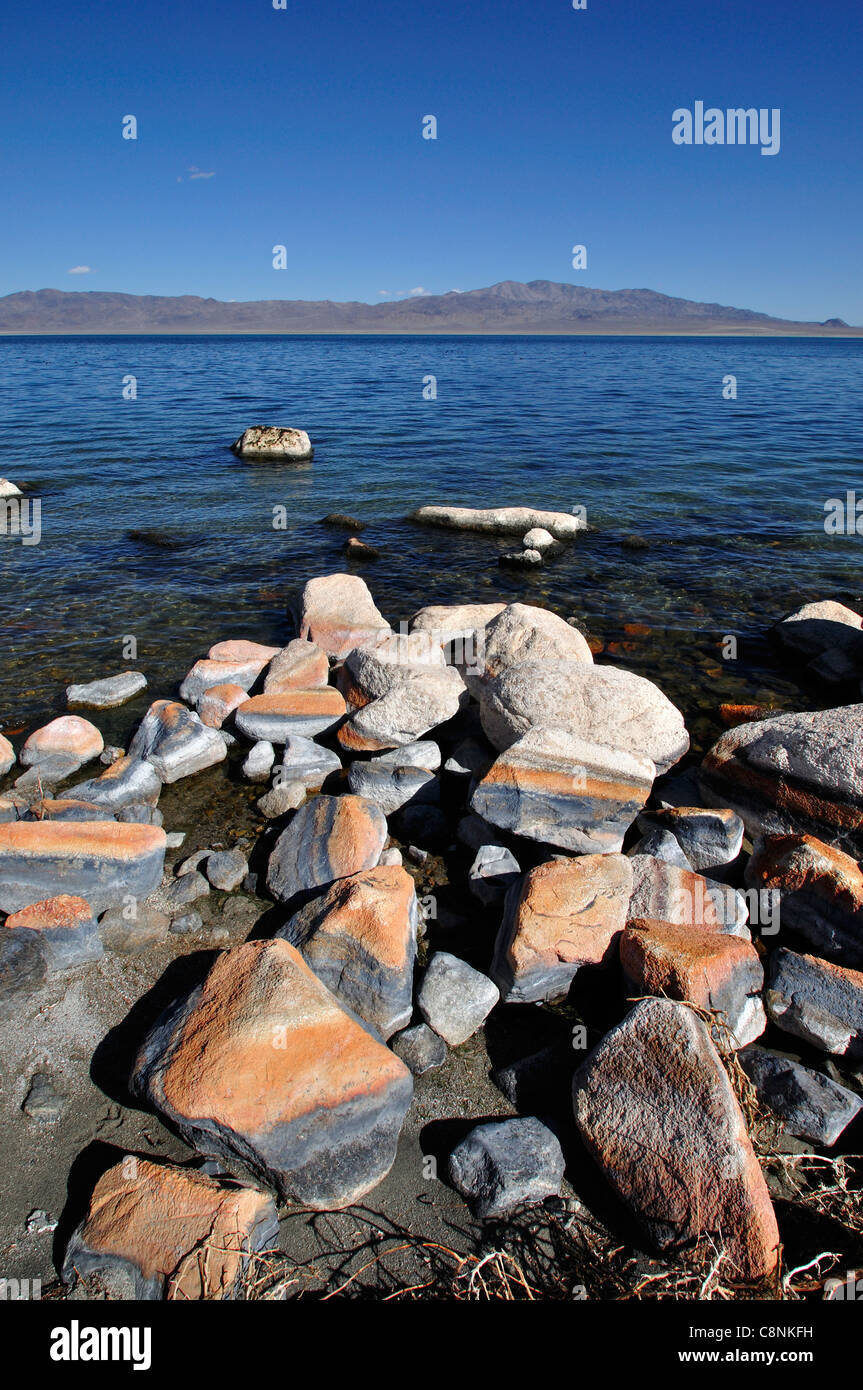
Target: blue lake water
{"x":728,"y":494}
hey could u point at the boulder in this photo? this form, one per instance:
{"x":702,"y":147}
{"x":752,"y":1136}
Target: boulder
{"x":553,"y":787}
{"x":815,"y":1000}
{"x":829,"y":636}
{"x":501,"y":521}
{"x":330,"y":837}
{"x":217,"y":704}
{"x":206,"y":674}
{"x":261,"y":1066}
{"x":524,"y":633}
{"x":597,"y":704}
{"x":664,"y":892}
{"x":306,"y":762}
{"x":337,"y":613}
{"x":70,"y":736}
{"x":298,"y":666}
{"x":512,"y":1163}
{"x":103,"y":862}
{"x":537,"y":538}
{"x":420,"y":1049}
{"x":793,"y":774}
{"x":656,"y":1110}
{"x":276,"y":443}
{"x":8,"y":489}
{"x":392,"y":780}
{"x":7,"y":756}
{"x":710,"y":839}
{"x":454,"y":999}
{"x":175,"y":742}
{"x":359,"y":937}
{"x":153,"y":1231}
{"x":239,"y":649}
{"x":393,"y":704}
{"x":67,"y":930}
{"x":274,"y":718}
{"x":811,"y":1105}
{"x":127,"y":782}
{"x":107,"y":693}
{"x":705,"y":968}
{"x":820,"y":892}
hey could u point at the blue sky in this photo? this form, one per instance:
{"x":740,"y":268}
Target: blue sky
{"x":554,"y":128}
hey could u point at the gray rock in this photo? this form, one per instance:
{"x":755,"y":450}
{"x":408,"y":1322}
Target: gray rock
{"x":65,"y":947}
{"x":189,"y":924}
{"x":474,"y":831}
{"x":513,"y":1163}
{"x":108,"y":693}
{"x":454,"y":999}
{"x":101,"y":861}
{"x":328,"y":838}
{"x":129,"y":936}
{"x":43,"y":1101}
{"x":419,"y":1048}
{"x":49,"y":771}
{"x":176,"y":743}
{"x":226,"y":870}
{"x":391,"y":858}
{"x":536,"y":1081}
{"x":520,"y":559}
{"x":307,"y":762}
{"x":127,"y":782}
{"x":175,"y":839}
{"x":179,"y":893}
{"x":812,"y":1106}
{"x":817,"y":1001}
{"x":259,"y":761}
{"x":23,"y":968}
{"x":492,"y":873}
{"x":137,"y":814}
{"x":396,"y":701}
{"x":284,"y":797}
{"x":193,"y":862}
{"x":661,"y":844}
{"x":710,"y":839}
{"x":470,"y":758}
{"x":64,"y":809}
{"x":398,"y":778}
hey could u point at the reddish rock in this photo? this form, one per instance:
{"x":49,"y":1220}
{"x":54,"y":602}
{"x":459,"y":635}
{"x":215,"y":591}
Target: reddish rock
{"x":274,"y":718}
{"x":820,"y":891}
{"x":359,"y":937}
{"x":561,"y":916}
{"x":240,"y":650}
{"x":220,"y":701}
{"x":205,"y":674}
{"x":732,"y":715}
{"x":70,"y":735}
{"x":153,"y":1231}
{"x":716,"y":972}
{"x":260,"y":1065}
{"x":62,"y":911}
{"x":7,"y":755}
{"x":65,"y":808}
{"x":657,"y":1111}
{"x":67,"y":930}
{"x":338,"y":613}
{"x":664,"y":892}
{"x":103,"y":861}
{"x":299,"y":666}
{"x":330,"y":837}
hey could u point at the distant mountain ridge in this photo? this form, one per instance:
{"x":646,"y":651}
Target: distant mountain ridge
{"x":540,"y":306}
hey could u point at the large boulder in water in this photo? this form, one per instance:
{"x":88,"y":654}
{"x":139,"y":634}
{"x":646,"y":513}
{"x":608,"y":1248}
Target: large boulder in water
{"x":273,"y":442}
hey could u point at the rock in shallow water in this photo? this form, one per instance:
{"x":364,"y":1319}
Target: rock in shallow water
{"x":513,"y":1163}
{"x":153,"y":1231}
{"x":328,"y":838}
{"x":175,"y":742}
{"x":299,"y":666}
{"x":501,"y":521}
{"x":656,"y":1110}
{"x":338,"y":613}
{"x":7,"y":756}
{"x":275,"y":718}
{"x":107,"y":693}
{"x":454,"y":999}
{"x":260,"y":1065}
{"x":127,"y":782}
{"x":277,"y":443}
{"x":69,"y":736}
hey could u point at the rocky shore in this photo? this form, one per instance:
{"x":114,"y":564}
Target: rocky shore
{"x":473,"y":919}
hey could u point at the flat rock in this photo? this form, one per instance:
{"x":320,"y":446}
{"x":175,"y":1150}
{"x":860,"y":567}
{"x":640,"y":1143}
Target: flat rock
{"x":720,"y":973}
{"x":492,"y":874}
{"x":171,"y":897}
{"x":330,"y":837}
{"x":793,"y":774}
{"x":130,"y":933}
{"x":65,"y":808}
{"x":103,"y":862}
{"x":274,"y":443}
{"x":206,"y":674}
{"x":299,"y":666}
{"x":307,"y":762}
{"x":656,"y":1110}
{"x":420,"y":1049}
{"x":664,"y":892}
{"x":393,"y":704}
{"x":7,"y":756}
{"x":816,"y":1000}
{"x":153,"y":1231}
{"x":127,"y":782}
{"x":23,"y":969}
{"x":43,"y":1101}
{"x":175,"y":742}
{"x":399,"y":778}
{"x":359,"y":937}
{"x":70,"y":736}
{"x":338,"y":613}
{"x":501,"y":521}
{"x":67,"y":930}
{"x":563,"y":915}
{"x":710,"y":839}
{"x":217,"y":704}
{"x":512,"y":1163}
{"x":454,"y":999}
{"x":820,"y":891}
{"x":261,"y":1065}
{"x":275,"y":718}
{"x":811,"y":1105}
{"x":240,"y":649}
{"x":597,"y":704}
{"x":107,"y":693}
{"x":560,"y":790}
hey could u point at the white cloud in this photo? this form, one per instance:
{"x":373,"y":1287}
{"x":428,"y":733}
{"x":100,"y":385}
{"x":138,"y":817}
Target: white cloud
{"x":417,"y":292}
{"x":384,"y":294}
{"x":196,"y":173}
{"x":79,"y":270}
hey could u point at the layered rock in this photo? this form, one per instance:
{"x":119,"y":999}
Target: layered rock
{"x":241,"y":671}
{"x":175,"y":742}
{"x":217,"y":704}
{"x":359,"y":937}
{"x":127,"y":782}
{"x":261,"y":1066}
{"x":820,"y":891}
{"x":66,"y":928}
{"x":561,"y":916}
{"x":337,"y":613}
{"x":705,"y":968}
{"x":299,"y":666}
{"x":655,"y":1108}
{"x":793,"y":774}
{"x":102,"y":862}
{"x":329,"y":838}
{"x":404,"y":776}
{"x":241,"y":649}
{"x":306,"y":762}
{"x":597,"y":704}
{"x":816,"y":1000}
{"x":275,"y":718}
{"x":664,"y":892}
{"x":560,"y":790}
{"x":153,"y":1231}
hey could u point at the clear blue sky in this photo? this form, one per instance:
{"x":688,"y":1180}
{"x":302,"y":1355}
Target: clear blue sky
{"x":554,"y":129}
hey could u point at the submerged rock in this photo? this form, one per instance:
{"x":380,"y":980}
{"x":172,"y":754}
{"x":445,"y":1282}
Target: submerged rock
{"x":501,"y":521}
{"x":275,"y":442}
{"x":108,"y":693}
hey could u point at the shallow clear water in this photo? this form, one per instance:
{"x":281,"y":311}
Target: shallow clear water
{"x":729,"y":495}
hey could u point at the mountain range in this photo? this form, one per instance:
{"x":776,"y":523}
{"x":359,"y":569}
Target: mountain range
{"x":540,"y":306}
